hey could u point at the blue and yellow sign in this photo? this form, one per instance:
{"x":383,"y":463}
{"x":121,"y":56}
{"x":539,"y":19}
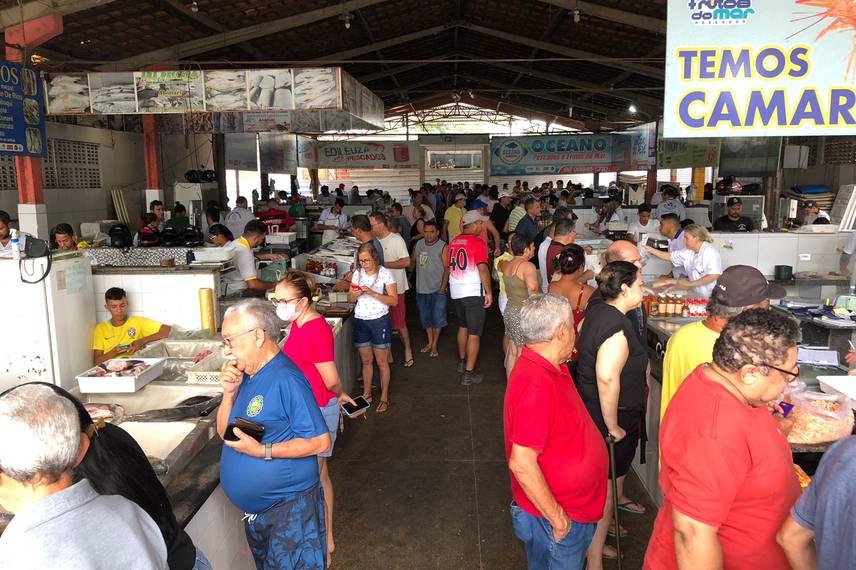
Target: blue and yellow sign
{"x":22,"y":117}
{"x":759,"y":68}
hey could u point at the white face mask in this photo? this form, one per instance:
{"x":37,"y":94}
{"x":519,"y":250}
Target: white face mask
{"x":286,"y":312}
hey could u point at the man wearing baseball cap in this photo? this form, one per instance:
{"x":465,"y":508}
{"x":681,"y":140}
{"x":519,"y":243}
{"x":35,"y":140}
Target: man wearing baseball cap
{"x":740,"y":287}
{"x":814,"y":213}
{"x":734,"y":220}
{"x":470,"y":289}
{"x":452,"y":217}
{"x":501,"y":211}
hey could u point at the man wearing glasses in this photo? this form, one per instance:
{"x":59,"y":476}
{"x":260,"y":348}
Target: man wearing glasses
{"x":274,"y":479}
{"x":452,"y":218}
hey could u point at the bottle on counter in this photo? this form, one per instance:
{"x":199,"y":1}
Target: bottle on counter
{"x":679,"y":305}
{"x":685,"y":311}
{"x":661,"y":306}
{"x":16,"y":249}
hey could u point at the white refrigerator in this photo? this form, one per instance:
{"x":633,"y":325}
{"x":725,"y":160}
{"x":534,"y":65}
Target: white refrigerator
{"x":48,"y":325}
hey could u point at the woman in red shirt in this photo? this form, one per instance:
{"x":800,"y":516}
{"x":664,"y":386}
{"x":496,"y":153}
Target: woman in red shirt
{"x":571,"y":263}
{"x":727,"y":472}
{"x":310,"y":346}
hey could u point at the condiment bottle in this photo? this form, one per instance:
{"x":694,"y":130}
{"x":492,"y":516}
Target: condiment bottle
{"x":661,"y":306}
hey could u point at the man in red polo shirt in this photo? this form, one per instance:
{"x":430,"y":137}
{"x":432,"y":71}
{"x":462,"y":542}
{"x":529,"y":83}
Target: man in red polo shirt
{"x":556,"y":455}
{"x":275,"y":219}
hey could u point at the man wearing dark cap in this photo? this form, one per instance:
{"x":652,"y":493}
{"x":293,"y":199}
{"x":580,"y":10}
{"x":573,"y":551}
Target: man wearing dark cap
{"x":740,"y":287}
{"x":814,"y":213}
{"x":734,"y":220}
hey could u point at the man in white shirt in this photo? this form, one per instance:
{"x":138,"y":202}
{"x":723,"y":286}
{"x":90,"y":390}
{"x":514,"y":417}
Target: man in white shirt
{"x":644,"y":226}
{"x":814,"y":213}
{"x":237,"y":219}
{"x":561,"y":233}
{"x":418,"y":200}
{"x":332,"y":221}
{"x":397,"y":260}
{"x":671,"y":204}
{"x":245,"y":275}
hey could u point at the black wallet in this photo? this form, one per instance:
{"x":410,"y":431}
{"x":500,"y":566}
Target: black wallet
{"x":252,"y":429}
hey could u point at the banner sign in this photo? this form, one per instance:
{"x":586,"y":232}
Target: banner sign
{"x":292,"y":97}
{"x":687,"y":153}
{"x":742,"y":68}
{"x":573,"y":154}
{"x":241,"y":151}
{"x":367,"y":154}
{"x":22,"y":120}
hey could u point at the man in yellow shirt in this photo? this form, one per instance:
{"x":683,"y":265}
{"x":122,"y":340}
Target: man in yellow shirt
{"x":122,"y":336}
{"x":740,"y":287}
{"x":452,"y":218}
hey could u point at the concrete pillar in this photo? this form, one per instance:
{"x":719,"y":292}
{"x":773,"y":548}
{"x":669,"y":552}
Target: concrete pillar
{"x":32,"y":211}
{"x":651,"y":184}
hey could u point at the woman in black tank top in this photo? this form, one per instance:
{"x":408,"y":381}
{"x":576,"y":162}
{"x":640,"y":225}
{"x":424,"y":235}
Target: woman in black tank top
{"x":611,"y":375}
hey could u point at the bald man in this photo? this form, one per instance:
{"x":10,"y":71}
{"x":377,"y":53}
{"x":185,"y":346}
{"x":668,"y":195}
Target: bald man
{"x":623,"y":250}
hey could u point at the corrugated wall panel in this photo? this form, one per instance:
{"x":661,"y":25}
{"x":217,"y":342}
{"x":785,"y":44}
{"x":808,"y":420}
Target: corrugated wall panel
{"x":396,"y":182}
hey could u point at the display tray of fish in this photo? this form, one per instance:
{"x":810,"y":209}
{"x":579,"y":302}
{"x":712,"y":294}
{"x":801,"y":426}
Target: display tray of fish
{"x":120,"y":375}
{"x":315,"y":88}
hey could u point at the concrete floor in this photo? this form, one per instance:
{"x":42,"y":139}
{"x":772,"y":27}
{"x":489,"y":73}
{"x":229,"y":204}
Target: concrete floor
{"x":425,"y":485}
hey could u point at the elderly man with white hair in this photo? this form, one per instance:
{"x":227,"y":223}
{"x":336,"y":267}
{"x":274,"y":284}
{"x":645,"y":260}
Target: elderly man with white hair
{"x":58,"y":524}
{"x":274,"y":479}
{"x":556,"y":455}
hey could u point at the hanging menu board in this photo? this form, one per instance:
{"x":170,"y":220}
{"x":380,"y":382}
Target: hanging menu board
{"x":294,"y":100}
{"x":22,"y":122}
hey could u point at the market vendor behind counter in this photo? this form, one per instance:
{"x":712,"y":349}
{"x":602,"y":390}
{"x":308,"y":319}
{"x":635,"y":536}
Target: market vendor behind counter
{"x":123,"y":335}
{"x":734,"y":220}
{"x":244,"y":278}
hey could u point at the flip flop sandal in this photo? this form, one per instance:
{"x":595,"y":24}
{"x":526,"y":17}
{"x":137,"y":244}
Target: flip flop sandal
{"x":384,"y":404}
{"x":434,"y":354}
{"x":611,"y":531}
{"x":625,"y":507}
{"x":408,"y":363}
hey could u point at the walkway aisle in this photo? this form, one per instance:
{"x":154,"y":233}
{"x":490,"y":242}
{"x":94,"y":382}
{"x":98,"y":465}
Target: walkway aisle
{"x":425,"y":485}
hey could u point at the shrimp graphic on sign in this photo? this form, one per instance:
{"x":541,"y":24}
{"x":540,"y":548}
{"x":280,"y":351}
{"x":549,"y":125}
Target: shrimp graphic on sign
{"x":839,"y":16}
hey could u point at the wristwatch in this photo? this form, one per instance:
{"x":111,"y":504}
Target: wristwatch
{"x":268,"y":451}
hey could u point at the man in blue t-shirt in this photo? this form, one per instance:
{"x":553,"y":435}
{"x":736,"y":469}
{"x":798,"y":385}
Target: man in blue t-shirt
{"x":821,"y":531}
{"x":274,"y":480}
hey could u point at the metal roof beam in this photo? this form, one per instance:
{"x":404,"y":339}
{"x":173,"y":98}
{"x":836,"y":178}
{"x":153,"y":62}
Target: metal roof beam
{"x":611,"y":14}
{"x":375,"y":46}
{"x":638,"y":68}
{"x":400,"y":69}
{"x":545,"y":96}
{"x":12,"y":16}
{"x":214,"y":25}
{"x":217,"y":41}
{"x":642,"y":100}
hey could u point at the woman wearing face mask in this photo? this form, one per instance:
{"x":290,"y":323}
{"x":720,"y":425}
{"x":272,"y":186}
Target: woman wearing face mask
{"x":310,"y":346}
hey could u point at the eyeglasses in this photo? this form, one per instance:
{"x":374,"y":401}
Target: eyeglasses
{"x":787,"y":373}
{"x":276,"y":302}
{"x":228,"y":341}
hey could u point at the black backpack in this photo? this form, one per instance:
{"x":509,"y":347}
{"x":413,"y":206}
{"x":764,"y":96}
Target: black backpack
{"x":170,"y":237}
{"x":193,"y":237}
{"x":120,"y":236}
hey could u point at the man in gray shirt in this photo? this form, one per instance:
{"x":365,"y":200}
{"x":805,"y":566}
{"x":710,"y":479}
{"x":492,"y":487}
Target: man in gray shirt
{"x":57,"y":524}
{"x":821,"y":531}
{"x":432,"y":280}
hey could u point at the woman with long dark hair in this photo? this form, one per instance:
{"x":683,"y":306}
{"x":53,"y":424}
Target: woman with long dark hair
{"x":115,"y":464}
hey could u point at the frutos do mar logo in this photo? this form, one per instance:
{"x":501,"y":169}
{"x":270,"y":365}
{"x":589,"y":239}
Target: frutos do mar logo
{"x":720,"y":12}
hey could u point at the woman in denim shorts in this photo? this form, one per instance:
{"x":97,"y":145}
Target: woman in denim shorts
{"x":373,"y":290}
{"x":310,"y":346}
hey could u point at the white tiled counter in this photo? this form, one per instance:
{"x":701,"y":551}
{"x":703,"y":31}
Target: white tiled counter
{"x":820,"y":252}
{"x":169,"y":295}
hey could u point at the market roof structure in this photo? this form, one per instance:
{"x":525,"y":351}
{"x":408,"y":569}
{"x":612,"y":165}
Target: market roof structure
{"x":581,"y":62}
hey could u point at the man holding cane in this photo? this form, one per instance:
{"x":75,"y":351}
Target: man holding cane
{"x":273,"y":479}
{"x":556,"y":455}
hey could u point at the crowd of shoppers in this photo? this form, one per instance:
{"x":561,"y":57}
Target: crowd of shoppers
{"x":577,"y":373}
